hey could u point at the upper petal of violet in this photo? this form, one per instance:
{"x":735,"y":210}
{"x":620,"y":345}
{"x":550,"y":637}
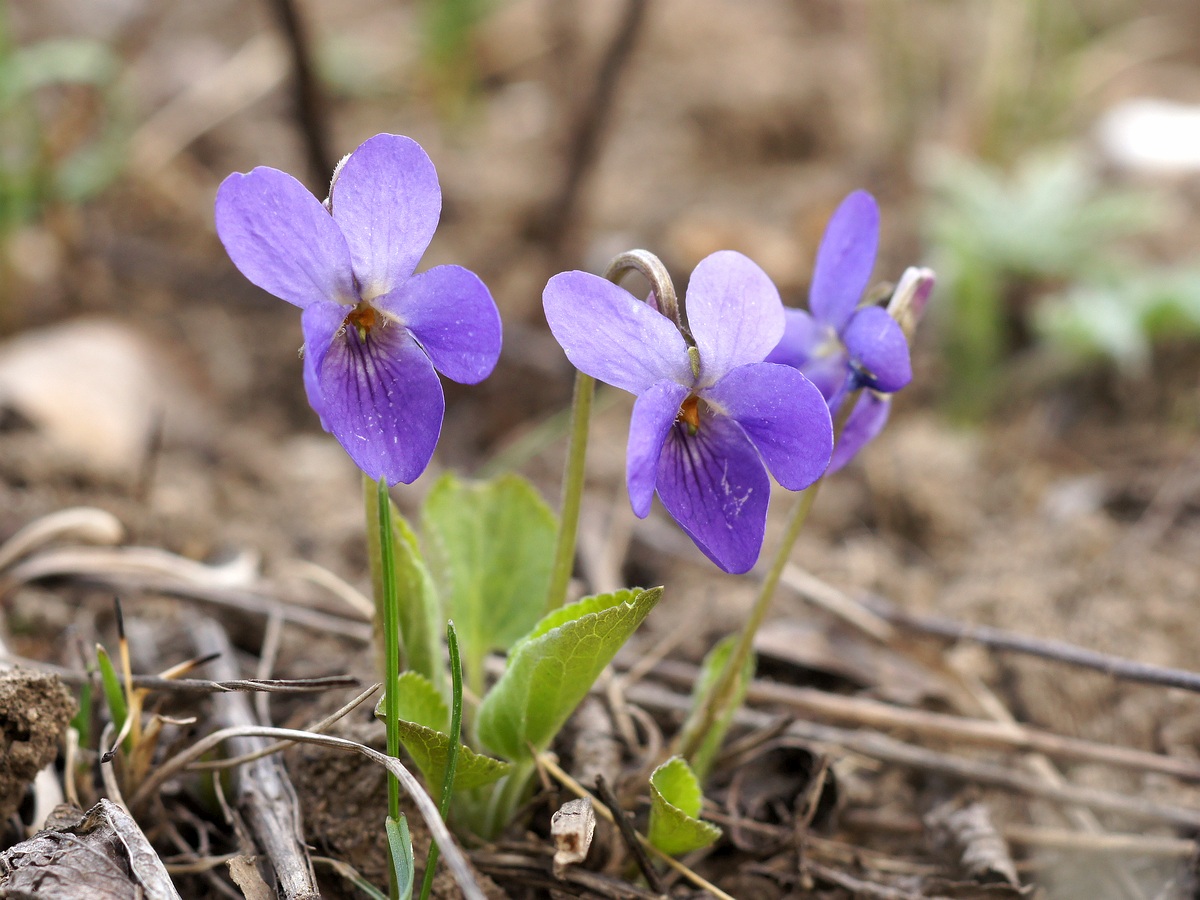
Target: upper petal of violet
{"x":714,"y":485}
{"x":609,"y":334}
{"x":653,"y":415}
{"x":878,"y":350}
{"x":387,"y":200}
{"x":452,"y":315}
{"x":785,"y":417}
{"x":382,"y":400}
{"x":282,"y":239}
{"x":734,"y":313}
{"x":845,"y":259}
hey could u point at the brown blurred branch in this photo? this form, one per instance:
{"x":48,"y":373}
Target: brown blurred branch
{"x":557,"y":226}
{"x":306,"y":92}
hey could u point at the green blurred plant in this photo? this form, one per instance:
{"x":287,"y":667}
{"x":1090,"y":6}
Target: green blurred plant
{"x":1119,"y":321}
{"x":448,"y":50}
{"x":1002,"y":241}
{"x":62,"y":137}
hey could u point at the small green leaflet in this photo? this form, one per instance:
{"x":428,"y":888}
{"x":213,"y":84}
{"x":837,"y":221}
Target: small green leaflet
{"x":424,"y":719}
{"x":400,"y":847}
{"x":675,"y":800}
{"x":551,"y":670}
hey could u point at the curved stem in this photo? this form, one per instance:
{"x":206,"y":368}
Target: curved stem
{"x":651,"y":267}
{"x":716,"y":704}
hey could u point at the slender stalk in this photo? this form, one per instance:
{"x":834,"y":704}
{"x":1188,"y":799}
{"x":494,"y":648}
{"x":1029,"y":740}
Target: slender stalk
{"x":656,"y":273}
{"x":388,"y":611}
{"x":451,"y":754}
{"x":572,"y":491}
{"x":716,"y":704}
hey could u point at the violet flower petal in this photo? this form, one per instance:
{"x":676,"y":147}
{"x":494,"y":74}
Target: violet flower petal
{"x":830,"y":373}
{"x":653,"y":415}
{"x":320,"y":323}
{"x":452,"y":315}
{"x":609,"y":334}
{"x":733,"y":312}
{"x":845,"y":259}
{"x":878,"y":350}
{"x":382,"y":400}
{"x":784,"y":416}
{"x":865,"y":421}
{"x":282,"y":239}
{"x":802,"y":337}
{"x":715,"y":486}
{"x":387,"y":201}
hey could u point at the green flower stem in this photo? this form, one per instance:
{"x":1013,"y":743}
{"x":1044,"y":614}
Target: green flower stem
{"x":656,"y":273}
{"x":456,"y":709}
{"x":717,"y":702}
{"x":572,"y":491}
{"x":387,"y":602}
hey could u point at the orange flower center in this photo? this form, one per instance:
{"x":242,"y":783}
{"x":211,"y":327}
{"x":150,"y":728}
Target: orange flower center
{"x":363,"y":318}
{"x":689,"y":413}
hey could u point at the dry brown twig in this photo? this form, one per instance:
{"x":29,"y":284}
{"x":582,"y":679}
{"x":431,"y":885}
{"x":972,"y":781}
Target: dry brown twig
{"x":263,"y":791}
{"x":451,"y":852}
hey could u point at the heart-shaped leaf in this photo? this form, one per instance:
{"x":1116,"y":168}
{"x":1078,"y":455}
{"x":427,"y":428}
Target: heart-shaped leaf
{"x":424,"y":719}
{"x":491,"y":547}
{"x":551,"y":670}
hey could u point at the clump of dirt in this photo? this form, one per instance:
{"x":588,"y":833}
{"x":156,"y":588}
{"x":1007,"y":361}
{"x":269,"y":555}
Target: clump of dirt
{"x":34,"y":711}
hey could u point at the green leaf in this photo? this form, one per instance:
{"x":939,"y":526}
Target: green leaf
{"x":400,"y":847}
{"x":420,"y":703}
{"x":419,"y":609}
{"x":551,"y":670}
{"x":491,"y":548}
{"x":430,"y":749}
{"x":675,"y":800}
{"x":424,"y":719}
{"x":114,"y":694}
{"x":714,"y":664}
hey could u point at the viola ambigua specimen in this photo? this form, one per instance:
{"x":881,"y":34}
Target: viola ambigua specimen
{"x":375,"y":334}
{"x":709,"y":411}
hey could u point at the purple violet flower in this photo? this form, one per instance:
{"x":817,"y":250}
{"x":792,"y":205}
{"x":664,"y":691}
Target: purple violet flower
{"x":841,"y":346}
{"x":709,"y":412}
{"x":375,"y":334}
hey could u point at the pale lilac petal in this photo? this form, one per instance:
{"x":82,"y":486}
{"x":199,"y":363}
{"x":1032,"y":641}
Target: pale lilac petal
{"x":387,"y":200}
{"x":320,"y":323}
{"x":865,"y":421}
{"x":845,"y":260}
{"x":784,"y":416}
{"x":452,"y":315}
{"x":653,"y":415}
{"x":714,"y":485}
{"x":830,"y":373}
{"x":609,"y":334}
{"x":734,"y":313}
{"x":382,"y":401}
{"x":878,"y":350}
{"x":282,"y":239}
{"x":803,"y":337}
